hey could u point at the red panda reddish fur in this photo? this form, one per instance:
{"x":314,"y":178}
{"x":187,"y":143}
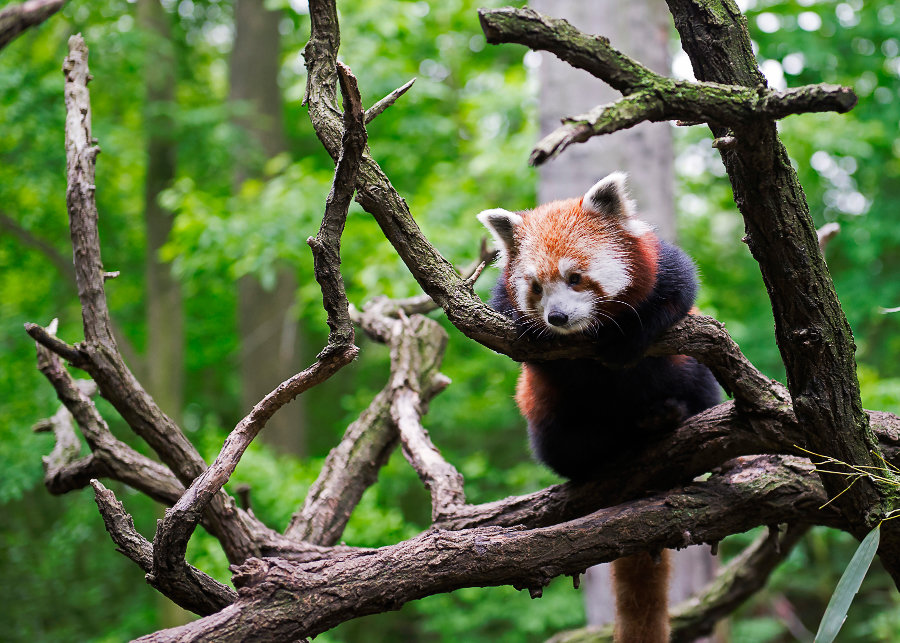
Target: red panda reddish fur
{"x":587,"y":266}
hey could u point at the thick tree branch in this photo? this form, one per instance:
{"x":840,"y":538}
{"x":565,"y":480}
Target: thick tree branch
{"x":16,"y":18}
{"x":739,"y":580}
{"x":648,"y":95}
{"x":291,"y":599}
{"x":812,"y":332}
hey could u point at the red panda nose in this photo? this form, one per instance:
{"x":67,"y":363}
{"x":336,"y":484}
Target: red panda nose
{"x":557,"y":318}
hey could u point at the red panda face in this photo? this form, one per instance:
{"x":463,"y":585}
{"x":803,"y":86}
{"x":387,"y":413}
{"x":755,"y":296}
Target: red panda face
{"x":566,"y":261}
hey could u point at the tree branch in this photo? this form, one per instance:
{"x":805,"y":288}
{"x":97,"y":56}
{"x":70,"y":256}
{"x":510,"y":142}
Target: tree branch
{"x":417,"y":347}
{"x":696,"y":617}
{"x":292,"y":601}
{"x":696,"y":103}
{"x":16,"y":18}
{"x":387,"y":101}
{"x":812,"y":332}
{"x":203,"y":596}
{"x":174,"y":531}
{"x":99,"y":354}
{"x":648,"y":95}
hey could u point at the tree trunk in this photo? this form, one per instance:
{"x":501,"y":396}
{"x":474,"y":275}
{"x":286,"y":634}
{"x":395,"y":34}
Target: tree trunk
{"x":270,"y":350}
{"x":640,"y":30}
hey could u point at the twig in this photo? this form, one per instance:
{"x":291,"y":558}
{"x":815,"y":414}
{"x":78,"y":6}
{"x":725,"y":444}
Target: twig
{"x":387,"y":101}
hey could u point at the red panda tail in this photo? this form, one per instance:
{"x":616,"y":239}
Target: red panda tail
{"x":641,"y":585}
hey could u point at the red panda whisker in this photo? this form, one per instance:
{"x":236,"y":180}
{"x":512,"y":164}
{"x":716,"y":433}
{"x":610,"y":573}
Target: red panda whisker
{"x":612,"y":319}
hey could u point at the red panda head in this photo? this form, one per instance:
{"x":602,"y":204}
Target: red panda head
{"x":570,"y":264}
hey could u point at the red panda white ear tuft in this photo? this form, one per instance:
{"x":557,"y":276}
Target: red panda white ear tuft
{"x":609,"y":197}
{"x":502,"y":225}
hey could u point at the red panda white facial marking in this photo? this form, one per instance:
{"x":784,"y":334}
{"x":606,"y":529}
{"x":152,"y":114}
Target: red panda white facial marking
{"x":565,"y":259}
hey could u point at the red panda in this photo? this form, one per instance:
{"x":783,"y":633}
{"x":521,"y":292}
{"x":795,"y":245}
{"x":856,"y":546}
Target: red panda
{"x":588,"y":266}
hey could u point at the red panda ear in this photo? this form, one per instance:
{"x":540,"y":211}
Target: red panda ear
{"x":502,"y":224}
{"x":609,"y":197}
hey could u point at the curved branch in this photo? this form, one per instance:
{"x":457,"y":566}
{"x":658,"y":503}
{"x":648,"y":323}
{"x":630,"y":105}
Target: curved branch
{"x":174,"y":531}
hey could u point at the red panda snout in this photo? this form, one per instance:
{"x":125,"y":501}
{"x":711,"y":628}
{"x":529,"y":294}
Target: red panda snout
{"x":561,"y":306}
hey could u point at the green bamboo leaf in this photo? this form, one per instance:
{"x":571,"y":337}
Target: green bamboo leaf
{"x":836,"y":612}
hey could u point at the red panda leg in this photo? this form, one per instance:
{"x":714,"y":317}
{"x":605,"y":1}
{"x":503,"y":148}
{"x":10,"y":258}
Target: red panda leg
{"x":641,"y":585}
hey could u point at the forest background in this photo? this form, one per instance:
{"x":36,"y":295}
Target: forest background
{"x":455,"y":144}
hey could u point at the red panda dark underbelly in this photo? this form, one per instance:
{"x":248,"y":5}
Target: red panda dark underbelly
{"x":581,"y":414}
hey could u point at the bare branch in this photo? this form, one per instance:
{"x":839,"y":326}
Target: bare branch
{"x":205,"y":596}
{"x":174,"y":531}
{"x":72,"y":354}
{"x":695,"y":103}
{"x":705,"y":339}
{"x":81,"y":156}
{"x":327,"y":244}
{"x":648,"y":95}
{"x":387,"y":101}
{"x":417,"y":346}
{"x":594,"y":54}
{"x":16,"y":18}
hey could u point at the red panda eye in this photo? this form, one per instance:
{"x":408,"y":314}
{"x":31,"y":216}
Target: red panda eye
{"x":574,"y":279}
{"x":536,"y":288}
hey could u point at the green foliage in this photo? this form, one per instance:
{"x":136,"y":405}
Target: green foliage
{"x":455,"y":144}
{"x":852,"y":578}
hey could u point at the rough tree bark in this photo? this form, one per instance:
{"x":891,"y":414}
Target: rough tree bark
{"x":298,"y":584}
